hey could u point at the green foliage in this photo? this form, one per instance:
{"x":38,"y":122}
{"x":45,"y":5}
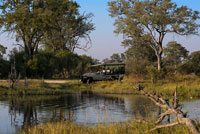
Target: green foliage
{"x":191,"y":65}
{"x":2,"y":50}
{"x":67,"y":26}
{"x":138,"y":58}
{"x":41,"y":65}
{"x":4,"y":68}
{"x":185,"y":68}
{"x":20,"y":58}
{"x":25,"y":19}
{"x":175,"y":53}
{"x":4,"y":64}
{"x":195,"y":60}
{"x":151,"y":20}
{"x":117,"y":58}
{"x":60,"y":64}
{"x":57,"y":24}
{"x":152,"y":73}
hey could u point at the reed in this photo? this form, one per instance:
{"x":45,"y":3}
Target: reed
{"x":129,"y":127}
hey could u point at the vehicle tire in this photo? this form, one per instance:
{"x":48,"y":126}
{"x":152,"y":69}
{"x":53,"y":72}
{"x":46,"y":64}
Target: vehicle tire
{"x":90,"y":80}
{"x":84,"y":81}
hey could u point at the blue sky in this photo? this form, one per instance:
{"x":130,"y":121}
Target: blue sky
{"x":105,"y":42}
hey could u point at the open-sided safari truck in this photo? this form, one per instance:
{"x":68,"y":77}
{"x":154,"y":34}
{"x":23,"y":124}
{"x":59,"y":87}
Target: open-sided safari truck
{"x":106,"y":71}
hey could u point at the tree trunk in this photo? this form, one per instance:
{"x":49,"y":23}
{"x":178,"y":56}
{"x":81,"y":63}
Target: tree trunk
{"x":159,"y":62}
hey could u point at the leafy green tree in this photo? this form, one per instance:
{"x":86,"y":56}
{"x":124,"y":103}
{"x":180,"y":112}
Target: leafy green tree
{"x":115,"y":58}
{"x":42,"y":64}
{"x":2,"y":50}
{"x":151,"y":20}
{"x":60,"y":64}
{"x":70,"y":65}
{"x":4,"y":68}
{"x":84,"y":64}
{"x":19,"y":56}
{"x":57,"y":23}
{"x":195,"y":60}
{"x":25,"y":20}
{"x":68,"y":26}
{"x":139,"y":57}
{"x":175,"y":53}
{"x":185,"y":68}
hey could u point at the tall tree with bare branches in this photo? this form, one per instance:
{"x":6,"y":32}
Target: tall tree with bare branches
{"x":141,"y":19}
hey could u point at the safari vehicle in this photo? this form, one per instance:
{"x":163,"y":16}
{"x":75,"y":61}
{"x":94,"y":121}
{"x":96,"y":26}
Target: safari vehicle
{"x":106,"y":71}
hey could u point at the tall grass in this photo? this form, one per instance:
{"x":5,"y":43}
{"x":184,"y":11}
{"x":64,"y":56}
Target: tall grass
{"x":188,"y":86}
{"x":114,"y":128}
{"x":36,"y":87}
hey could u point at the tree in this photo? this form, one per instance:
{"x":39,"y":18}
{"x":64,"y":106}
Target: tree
{"x":25,"y":20}
{"x":2,"y":50}
{"x":175,"y":53}
{"x":42,"y":64}
{"x":84,"y":64}
{"x":195,"y":59}
{"x":4,"y":68}
{"x":58,"y":23}
{"x":106,"y":60}
{"x":20,"y":58}
{"x":138,"y":20}
{"x":115,"y":58}
{"x":139,"y":57}
{"x":67,"y":27}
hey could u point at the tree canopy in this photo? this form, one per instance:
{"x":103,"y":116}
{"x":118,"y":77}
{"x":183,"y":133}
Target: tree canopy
{"x":175,"y":53}
{"x":140,"y":19}
{"x":68,"y":26}
{"x":57,"y":24}
{"x":25,"y":20}
{"x":114,"y":58}
{"x":139,"y":57}
{"x":2,"y":50}
{"x":195,"y":59}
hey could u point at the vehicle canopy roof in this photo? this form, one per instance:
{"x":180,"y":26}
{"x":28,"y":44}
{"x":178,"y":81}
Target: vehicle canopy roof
{"x":108,"y":64}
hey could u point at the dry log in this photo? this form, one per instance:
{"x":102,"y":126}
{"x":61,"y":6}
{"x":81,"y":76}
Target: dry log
{"x":173,"y":109}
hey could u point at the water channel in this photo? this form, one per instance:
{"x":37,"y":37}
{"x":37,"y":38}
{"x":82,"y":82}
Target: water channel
{"x":19,"y":113}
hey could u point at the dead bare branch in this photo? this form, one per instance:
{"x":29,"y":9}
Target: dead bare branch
{"x":166,"y":125}
{"x":173,"y":109}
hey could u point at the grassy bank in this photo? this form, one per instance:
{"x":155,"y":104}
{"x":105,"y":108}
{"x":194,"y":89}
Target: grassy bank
{"x":115,"y":128}
{"x":187,"y":87}
{"x":37,"y":87}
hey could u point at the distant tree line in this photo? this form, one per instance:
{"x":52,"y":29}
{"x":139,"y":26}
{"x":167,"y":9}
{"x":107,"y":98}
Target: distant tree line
{"x":141,"y":61}
{"x":46,"y":64}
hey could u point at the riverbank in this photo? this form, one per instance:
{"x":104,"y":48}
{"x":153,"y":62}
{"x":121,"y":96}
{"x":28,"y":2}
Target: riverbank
{"x":187,"y":87}
{"x":40,"y":87}
{"x":130,"y":127}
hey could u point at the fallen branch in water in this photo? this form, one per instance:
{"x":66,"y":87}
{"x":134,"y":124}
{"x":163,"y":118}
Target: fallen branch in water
{"x":170,"y":109}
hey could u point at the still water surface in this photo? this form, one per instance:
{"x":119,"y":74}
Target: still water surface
{"x":20,"y":113}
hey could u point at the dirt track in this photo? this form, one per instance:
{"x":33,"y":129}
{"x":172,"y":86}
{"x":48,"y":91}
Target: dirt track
{"x":47,"y":81}
{"x":56,"y":81}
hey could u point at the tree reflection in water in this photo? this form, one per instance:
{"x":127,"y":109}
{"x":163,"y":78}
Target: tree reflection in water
{"x":26,"y":112}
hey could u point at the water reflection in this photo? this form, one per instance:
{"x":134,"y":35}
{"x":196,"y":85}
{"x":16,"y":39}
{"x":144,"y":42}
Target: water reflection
{"x":21,"y":113}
